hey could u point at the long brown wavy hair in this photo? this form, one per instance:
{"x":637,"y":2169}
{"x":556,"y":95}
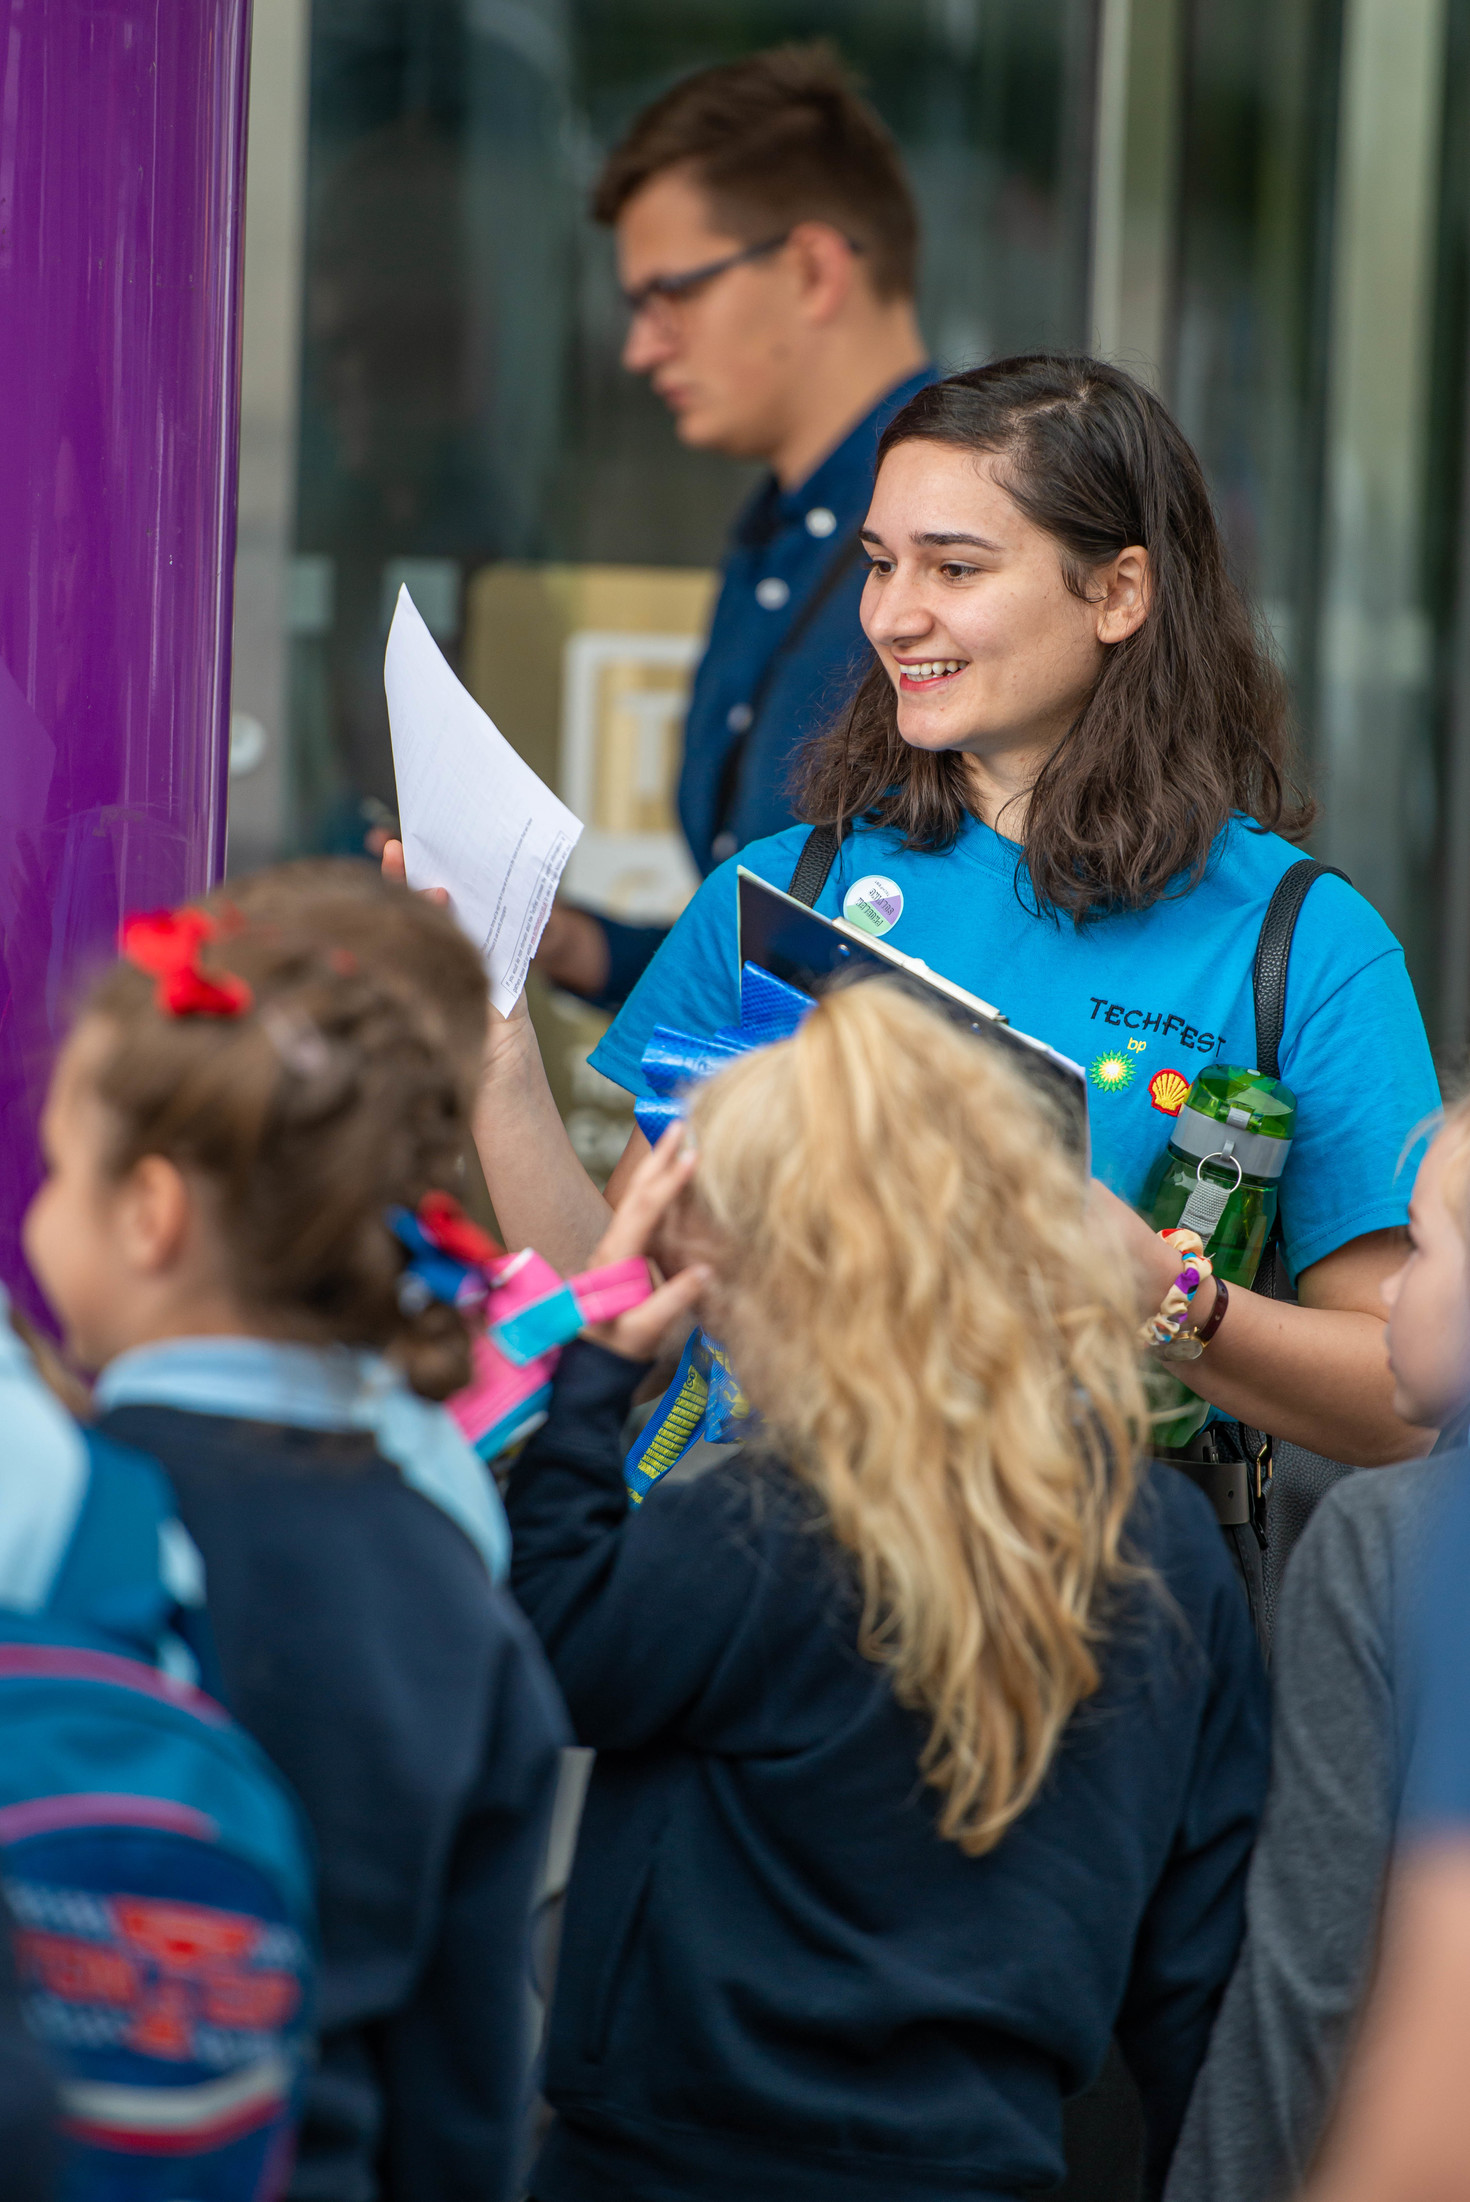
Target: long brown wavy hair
{"x":942,"y":1346}
{"x":1189,"y":720}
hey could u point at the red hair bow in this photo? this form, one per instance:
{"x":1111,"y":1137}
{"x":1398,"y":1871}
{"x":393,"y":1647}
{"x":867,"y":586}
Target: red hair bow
{"x":446,"y":1226}
{"x":166,"y":944}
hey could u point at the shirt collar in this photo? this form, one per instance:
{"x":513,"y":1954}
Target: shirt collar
{"x":841,"y":482}
{"x":256,"y":1379}
{"x":321,"y":1388}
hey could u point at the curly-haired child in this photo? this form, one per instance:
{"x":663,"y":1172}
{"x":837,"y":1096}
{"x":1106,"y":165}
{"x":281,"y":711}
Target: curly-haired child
{"x":931,"y":1735}
{"x":243,"y":1104}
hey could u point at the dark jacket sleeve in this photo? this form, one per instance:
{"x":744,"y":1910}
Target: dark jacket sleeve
{"x":458,"y":2055}
{"x":1312,"y":1899}
{"x":1190,"y":1933}
{"x":638,"y":1608}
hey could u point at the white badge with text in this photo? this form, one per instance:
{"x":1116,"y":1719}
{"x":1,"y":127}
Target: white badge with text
{"x":873,"y":905}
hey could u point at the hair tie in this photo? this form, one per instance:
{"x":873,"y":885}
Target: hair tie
{"x":449,"y":1257}
{"x":524,"y":1313}
{"x":166,"y":945}
{"x":1163,"y":1328}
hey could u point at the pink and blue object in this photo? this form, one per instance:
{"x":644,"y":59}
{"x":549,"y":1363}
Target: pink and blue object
{"x":529,"y":1313}
{"x":532,"y":1314}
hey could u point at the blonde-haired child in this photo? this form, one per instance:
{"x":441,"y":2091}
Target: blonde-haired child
{"x":931,"y":1735}
{"x":248,"y":1099}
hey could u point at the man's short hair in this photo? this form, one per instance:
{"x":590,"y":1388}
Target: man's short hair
{"x":776,"y":139}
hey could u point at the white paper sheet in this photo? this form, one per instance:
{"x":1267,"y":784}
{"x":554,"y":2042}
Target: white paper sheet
{"x":476,"y":820}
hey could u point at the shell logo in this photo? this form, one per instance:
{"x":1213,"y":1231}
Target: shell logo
{"x":1168,"y":1090}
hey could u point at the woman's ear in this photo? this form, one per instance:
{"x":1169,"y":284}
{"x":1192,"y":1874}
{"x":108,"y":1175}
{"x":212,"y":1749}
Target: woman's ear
{"x":154,"y":1211}
{"x":1127,"y":593}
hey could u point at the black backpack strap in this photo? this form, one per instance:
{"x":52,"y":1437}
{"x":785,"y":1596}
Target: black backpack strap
{"x":833,"y":574}
{"x":818,"y":854}
{"x":1273,"y":957}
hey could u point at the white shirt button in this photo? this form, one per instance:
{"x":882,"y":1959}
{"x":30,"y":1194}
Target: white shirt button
{"x":738,"y":717}
{"x":819,"y":521}
{"x":771,"y":593}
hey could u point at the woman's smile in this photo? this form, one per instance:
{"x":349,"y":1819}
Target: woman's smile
{"x":928,"y":673}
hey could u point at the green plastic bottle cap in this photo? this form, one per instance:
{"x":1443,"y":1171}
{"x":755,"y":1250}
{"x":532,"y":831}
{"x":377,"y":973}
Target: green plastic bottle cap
{"x":1241,"y":1113}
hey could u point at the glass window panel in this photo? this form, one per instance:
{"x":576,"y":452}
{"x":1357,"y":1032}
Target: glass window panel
{"x":1248,"y":368}
{"x":1319,"y":364}
{"x":463,"y":402}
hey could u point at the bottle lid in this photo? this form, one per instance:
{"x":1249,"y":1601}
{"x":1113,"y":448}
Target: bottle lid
{"x":1239,"y":1114}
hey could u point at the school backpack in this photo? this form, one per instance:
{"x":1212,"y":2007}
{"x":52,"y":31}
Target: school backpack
{"x":157,"y":1870}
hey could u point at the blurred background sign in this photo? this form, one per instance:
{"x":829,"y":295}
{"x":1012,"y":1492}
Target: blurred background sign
{"x":590,"y":666}
{"x":1262,"y":206}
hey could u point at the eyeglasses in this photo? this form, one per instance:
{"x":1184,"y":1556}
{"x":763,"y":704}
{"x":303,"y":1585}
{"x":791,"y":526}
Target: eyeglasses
{"x":661,"y":293}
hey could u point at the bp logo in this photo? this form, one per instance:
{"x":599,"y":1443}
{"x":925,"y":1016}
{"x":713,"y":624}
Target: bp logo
{"x":1111,"y":1073}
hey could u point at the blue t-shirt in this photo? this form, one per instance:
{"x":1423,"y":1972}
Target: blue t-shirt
{"x":1142,"y":1000}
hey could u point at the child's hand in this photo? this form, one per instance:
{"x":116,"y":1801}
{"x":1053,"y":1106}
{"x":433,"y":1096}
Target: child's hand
{"x":652,"y":1190}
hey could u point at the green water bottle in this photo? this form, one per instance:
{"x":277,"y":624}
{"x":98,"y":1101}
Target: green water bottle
{"x":1220,"y":1175}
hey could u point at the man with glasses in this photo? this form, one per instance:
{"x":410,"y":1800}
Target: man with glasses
{"x":767,"y":246}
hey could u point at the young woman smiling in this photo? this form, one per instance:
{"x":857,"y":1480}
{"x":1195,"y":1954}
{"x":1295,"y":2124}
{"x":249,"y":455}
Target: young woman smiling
{"x":1063,"y":782}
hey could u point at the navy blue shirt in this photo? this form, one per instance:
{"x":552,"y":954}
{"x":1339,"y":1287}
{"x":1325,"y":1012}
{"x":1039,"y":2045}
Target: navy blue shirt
{"x":401,"y":1694}
{"x":775,"y":1978}
{"x":785,"y":543}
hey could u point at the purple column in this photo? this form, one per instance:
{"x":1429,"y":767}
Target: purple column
{"x":122,"y":147}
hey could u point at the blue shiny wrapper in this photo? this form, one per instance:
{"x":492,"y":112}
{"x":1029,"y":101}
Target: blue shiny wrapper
{"x":770,"y":1010}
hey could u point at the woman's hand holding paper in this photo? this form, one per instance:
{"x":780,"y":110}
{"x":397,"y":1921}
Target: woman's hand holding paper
{"x":396,"y":870}
{"x":541,"y":1194}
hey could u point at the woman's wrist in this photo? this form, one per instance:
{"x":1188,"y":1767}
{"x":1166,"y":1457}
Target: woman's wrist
{"x":1207,"y":1308}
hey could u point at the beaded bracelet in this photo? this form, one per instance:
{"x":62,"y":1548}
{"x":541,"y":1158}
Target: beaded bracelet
{"x":1163,"y":1328}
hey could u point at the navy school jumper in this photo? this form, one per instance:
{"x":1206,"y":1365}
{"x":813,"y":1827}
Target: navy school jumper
{"x":400,"y":1692}
{"x":775,"y":1978}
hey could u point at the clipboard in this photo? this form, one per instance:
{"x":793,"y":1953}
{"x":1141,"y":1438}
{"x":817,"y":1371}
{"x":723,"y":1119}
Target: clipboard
{"x":794,"y":943}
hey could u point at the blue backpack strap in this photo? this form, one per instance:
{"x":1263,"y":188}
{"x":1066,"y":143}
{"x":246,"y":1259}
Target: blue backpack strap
{"x":131,"y":1572}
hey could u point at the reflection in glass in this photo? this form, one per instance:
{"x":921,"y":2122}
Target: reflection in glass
{"x":462,"y":397}
{"x":1248,"y":371}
